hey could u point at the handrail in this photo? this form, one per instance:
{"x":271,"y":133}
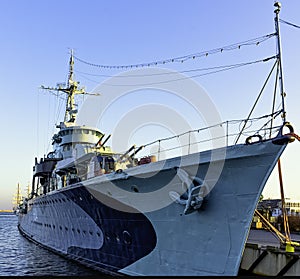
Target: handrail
{"x":189,"y":141}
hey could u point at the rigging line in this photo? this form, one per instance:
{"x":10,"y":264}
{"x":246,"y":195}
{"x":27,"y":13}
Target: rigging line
{"x":59,"y":102}
{"x":274,"y":115}
{"x":289,"y":23}
{"x":172,"y":73}
{"x":182,"y":59}
{"x":55,"y":115}
{"x":193,"y":76}
{"x":236,"y":121}
{"x":258,"y":97}
{"x":37,"y":123}
{"x":48,"y":127}
{"x":274,"y":98}
{"x":89,"y":79}
{"x":158,"y":74}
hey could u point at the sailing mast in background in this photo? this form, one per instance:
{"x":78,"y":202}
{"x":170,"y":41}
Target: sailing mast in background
{"x":17,"y":198}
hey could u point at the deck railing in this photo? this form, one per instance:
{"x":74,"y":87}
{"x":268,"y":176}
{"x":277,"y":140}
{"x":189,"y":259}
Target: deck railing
{"x":215,"y":136}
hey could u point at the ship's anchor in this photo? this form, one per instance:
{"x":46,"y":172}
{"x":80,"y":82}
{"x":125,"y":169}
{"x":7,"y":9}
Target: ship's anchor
{"x":195,"y":192}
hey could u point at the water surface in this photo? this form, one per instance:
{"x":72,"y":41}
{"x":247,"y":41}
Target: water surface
{"x":20,"y":257}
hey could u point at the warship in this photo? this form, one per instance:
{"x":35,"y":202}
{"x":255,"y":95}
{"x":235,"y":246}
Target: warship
{"x":88,"y":203}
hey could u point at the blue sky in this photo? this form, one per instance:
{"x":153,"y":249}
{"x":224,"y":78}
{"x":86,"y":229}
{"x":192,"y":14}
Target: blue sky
{"x":36,"y":37}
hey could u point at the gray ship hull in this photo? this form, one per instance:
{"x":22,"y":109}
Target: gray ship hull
{"x":96,"y":223}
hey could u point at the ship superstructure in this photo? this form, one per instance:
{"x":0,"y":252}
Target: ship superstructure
{"x":78,"y":151}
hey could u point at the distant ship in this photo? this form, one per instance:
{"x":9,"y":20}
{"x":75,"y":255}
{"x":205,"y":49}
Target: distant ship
{"x":79,"y":208}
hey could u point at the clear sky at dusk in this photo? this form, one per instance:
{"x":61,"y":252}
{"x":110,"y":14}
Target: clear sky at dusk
{"x":36,"y":37}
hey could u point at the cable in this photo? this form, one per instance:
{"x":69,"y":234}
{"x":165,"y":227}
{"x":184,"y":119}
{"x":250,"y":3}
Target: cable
{"x":172,"y":73}
{"x":256,"y":101}
{"x":226,"y":68}
{"x":182,"y":59}
{"x":289,"y":23}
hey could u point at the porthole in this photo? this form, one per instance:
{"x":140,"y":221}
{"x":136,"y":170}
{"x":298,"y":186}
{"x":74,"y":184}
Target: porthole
{"x":66,"y":229}
{"x":127,"y":237}
{"x":78,"y":230}
{"x":106,"y":236}
{"x":60,"y":227}
{"x":63,"y":200}
{"x":134,"y":188}
{"x":91,"y":233}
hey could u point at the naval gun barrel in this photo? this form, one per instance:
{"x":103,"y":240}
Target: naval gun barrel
{"x":102,"y":144}
{"x":136,"y":151}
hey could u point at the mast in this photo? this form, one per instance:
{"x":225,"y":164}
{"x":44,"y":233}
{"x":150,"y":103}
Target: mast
{"x":71,"y":68}
{"x":288,"y":242}
{"x":71,"y":90}
{"x":18,"y":197}
{"x":282,"y":93}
